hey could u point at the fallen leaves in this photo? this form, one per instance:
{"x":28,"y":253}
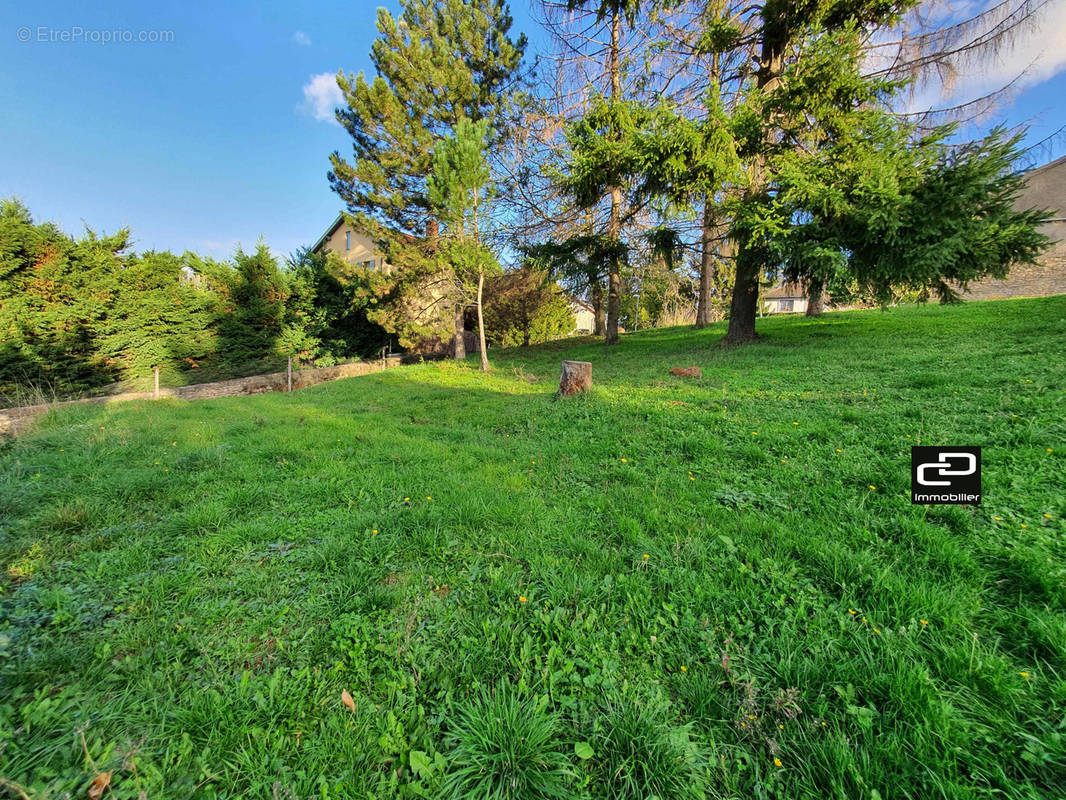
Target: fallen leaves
{"x":99,"y":785}
{"x":347,"y":699}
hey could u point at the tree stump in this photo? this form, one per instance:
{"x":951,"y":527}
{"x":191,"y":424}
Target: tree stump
{"x":576,"y":377}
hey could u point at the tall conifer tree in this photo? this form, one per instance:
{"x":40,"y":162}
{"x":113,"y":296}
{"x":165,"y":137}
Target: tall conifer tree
{"x":438,"y":62}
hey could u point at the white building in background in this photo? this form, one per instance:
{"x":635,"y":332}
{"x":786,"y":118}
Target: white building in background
{"x":786,"y":298}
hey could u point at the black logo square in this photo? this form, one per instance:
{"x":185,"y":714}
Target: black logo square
{"x":946,"y":475}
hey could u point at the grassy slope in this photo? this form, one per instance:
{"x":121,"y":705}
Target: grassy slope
{"x":192,"y":585}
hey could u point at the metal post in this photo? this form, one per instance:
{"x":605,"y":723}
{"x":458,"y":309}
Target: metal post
{"x":288,"y":374}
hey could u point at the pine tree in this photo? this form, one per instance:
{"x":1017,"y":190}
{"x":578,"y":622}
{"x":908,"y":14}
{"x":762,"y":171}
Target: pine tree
{"x":438,"y":62}
{"x":825,"y":159}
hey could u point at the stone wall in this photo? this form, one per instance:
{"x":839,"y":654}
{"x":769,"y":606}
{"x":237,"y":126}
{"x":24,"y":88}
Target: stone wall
{"x":1045,"y":188}
{"x":12,"y":420}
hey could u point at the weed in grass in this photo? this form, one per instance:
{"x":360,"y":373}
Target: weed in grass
{"x":639,"y":753}
{"x":503,"y":747}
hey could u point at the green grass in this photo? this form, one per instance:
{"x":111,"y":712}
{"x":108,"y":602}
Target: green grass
{"x":688,"y":585}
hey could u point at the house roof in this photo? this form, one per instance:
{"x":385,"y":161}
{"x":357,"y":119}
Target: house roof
{"x":577,"y":301}
{"x":785,"y":291}
{"x":1042,"y":167}
{"x":329,"y":232}
{"x":336,"y":224}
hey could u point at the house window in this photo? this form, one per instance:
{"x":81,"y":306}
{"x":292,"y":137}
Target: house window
{"x":368,"y":264}
{"x":347,"y":240}
{"x":786,"y":305}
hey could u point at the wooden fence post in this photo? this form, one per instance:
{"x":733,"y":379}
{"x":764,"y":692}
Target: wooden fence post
{"x":155,"y":389}
{"x":288,"y":375}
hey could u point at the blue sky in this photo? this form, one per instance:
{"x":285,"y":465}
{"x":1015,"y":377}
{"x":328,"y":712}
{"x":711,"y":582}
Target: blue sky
{"x":211,"y":139}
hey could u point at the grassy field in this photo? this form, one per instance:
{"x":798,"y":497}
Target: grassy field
{"x":432,"y":582}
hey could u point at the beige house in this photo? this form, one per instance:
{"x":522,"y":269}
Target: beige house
{"x":584,"y":315}
{"x":358,"y":249}
{"x":786,"y":298}
{"x":1045,"y":187}
{"x":354,"y":247}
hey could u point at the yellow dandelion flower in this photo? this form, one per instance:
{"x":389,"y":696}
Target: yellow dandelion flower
{"x":754,"y":433}
{"x":876,"y":631}
{"x":1024,"y":675}
{"x":428,"y":497}
{"x":780,"y":726}
{"x":624,"y":461}
{"x":646,"y":556}
{"x":1050,"y":450}
{"x":777,"y":761}
{"x":924,"y":621}
{"x":852,"y":611}
{"x":407,"y":499}
{"x":743,"y":724}
{"x":839,"y":450}
{"x":998,"y":519}
{"x":691,"y":478}
{"x":522,"y":599}
{"x":751,"y":716}
{"x":374,"y":531}
{"x":823,"y":723}
{"x":1024,"y":525}
{"x":684,"y":669}
{"x":1047,"y":516}
{"x":795,"y":423}
{"x":873,"y":487}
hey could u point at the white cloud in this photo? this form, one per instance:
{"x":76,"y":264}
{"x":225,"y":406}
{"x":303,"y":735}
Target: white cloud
{"x":302,"y":39}
{"x":321,"y":96}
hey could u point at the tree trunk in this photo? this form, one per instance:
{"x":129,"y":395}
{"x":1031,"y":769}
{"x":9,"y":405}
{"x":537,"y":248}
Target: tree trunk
{"x":745,"y":302}
{"x":481,"y":323}
{"x":614,"y":277}
{"x":460,"y":342}
{"x":614,"y":226}
{"x":815,"y":298}
{"x":703,"y":306}
{"x":596,"y":290}
{"x":576,"y":377}
{"x":750,"y":260}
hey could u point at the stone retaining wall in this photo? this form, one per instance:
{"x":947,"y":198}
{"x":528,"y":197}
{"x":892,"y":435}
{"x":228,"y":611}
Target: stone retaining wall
{"x":12,"y":420}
